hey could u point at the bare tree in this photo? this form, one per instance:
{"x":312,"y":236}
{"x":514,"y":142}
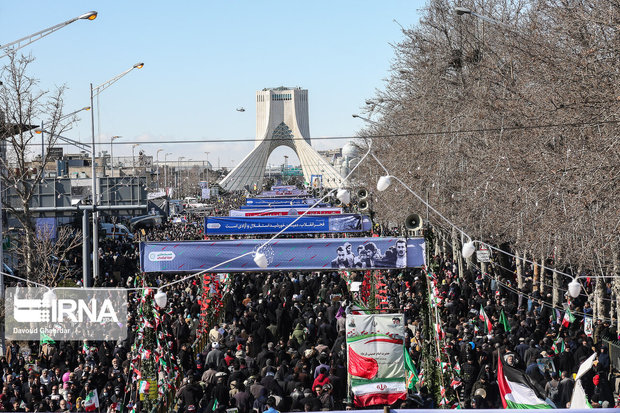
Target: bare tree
{"x":23,"y":105}
{"x":510,"y":130}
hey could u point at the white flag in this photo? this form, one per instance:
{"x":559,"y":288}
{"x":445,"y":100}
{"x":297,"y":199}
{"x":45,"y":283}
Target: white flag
{"x":585,"y":366}
{"x":579,"y":399}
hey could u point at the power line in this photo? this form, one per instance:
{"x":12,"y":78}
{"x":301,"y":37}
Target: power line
{"x":382,"y":136}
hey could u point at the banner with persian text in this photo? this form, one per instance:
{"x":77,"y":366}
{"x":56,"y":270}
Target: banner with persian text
{"x":273,"y":225}
{"x":283,"y":211}
{"x":284,"y":206}
{"x":376,"y":358}
{"x":282,"y":254}
{"x":270,"y":202}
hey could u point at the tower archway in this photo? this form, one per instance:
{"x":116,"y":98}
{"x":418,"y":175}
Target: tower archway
{"x":281,"y":119}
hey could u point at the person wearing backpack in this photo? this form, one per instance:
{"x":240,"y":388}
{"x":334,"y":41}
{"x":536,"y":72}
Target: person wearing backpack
{"x":552,"y":389}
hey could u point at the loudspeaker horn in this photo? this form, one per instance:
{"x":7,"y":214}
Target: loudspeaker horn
{"x":363,"y":205}
{"x":413,"y":222}
{"x":362,"y":193}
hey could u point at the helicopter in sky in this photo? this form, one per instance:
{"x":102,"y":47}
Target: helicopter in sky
{"x":241,"y":109}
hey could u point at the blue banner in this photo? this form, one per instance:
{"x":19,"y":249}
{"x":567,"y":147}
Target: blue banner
{"x":282,"y":254}
{"x":284,"y":211}
{"x":46,"y":228}
{"x":273,"y":202}
{"x":273,"y":225}
{"x":280,"y":206}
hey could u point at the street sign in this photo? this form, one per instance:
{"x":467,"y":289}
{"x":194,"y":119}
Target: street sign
{"x":54,"y":153}
{"x":483,"y":255}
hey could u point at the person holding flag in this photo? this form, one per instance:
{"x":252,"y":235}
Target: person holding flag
{"x":517,"y":390}
{"x":485,"y":320}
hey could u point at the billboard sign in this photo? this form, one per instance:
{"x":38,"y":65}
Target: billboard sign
{"x":282,"y":254}
{"x":376,"y":358}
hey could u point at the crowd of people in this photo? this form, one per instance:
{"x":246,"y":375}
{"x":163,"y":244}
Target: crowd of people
{"x":280,"y":344}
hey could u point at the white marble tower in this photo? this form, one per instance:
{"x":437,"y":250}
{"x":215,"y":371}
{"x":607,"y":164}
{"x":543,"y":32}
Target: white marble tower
{"x":281,"y":119}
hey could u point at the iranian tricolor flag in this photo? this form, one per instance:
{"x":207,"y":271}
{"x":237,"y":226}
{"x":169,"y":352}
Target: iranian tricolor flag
{"x":92,"y":401}
{"x":568,"y":318}
{"x":485,"y":320}
{"x":517,"y":390}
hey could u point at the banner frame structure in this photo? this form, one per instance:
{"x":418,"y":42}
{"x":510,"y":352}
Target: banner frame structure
{"x":286,"y":254}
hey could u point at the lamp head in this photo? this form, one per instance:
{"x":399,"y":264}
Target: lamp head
{"x":91,"y":15}
{"x":38,"y":131}
{"x":574,"y":287}
{"x":260,"y":259}
{"x":161,"y":299}
{"x":468,"y":249}
{"x":49,"y":296}
{"x":86,"y":108}
{"x":344,"y":196}
{"x":138,"y":66}
{"x":384,"y":182}
{"x":462,"y":10}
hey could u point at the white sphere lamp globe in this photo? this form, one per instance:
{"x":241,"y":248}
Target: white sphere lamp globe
{"x":344,"y":196}
{"x":48,"y":297}
{"x":260,"y":259}
{"x":468,"y":249}
{"x":574,"y":288}
{"x":384,"y":182}
{"x":161,"y":299}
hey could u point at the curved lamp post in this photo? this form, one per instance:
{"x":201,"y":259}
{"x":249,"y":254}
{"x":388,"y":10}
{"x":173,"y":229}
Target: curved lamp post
{"x":95,"y":91}
{"x":25,"y":41}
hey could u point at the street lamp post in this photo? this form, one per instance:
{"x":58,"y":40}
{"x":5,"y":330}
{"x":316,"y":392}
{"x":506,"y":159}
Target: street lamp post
{"x":133,"y":156}
{"x":464,"y":10}
{"x":112,"y":139}
{"x":25,"y":41}
{"x":95,"y":91}
{"x":207,"y":169}
{"x":166,"y":171}
{"x":42,"y":131}
{"x":177,"y":177}
{"x":157,"y":161}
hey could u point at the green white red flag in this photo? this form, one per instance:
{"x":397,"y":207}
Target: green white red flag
{"x":91,"y":403}
{"x":485,"y":319}
{"x":517,"y":390}
{"x":568,"y":318}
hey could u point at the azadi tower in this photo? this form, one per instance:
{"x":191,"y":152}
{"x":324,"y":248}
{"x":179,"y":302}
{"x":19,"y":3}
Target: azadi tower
{"x":281,"y":119}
